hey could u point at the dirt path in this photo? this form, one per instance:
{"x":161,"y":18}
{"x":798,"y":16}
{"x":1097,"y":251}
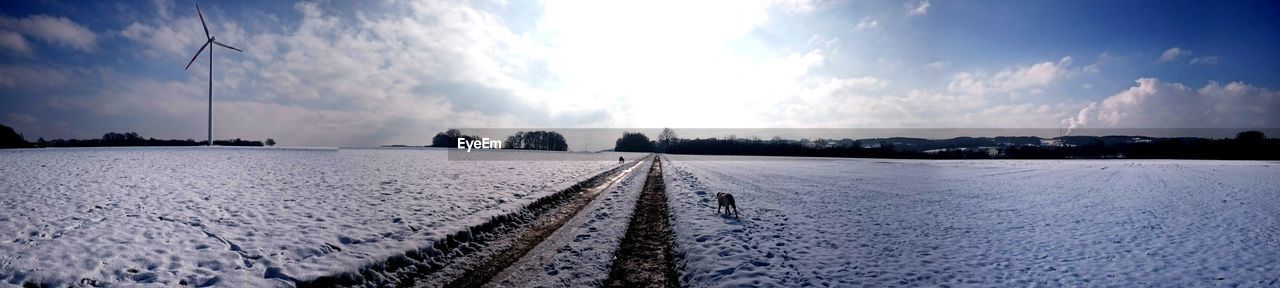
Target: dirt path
{"x":515,"y":244}
{"x":645,"y":258}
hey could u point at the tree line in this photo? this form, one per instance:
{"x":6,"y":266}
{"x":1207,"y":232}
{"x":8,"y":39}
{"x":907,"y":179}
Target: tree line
{"x":537,"y":140}
{"x":526,"y":140}
{"x":11,"y":139}
{"x":1246,"y":145}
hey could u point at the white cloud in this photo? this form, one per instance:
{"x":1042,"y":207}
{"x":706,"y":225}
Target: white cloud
{"x":182,"y":106}
{"x":22,"y":118}
{"x":31,"y":77}
{"x":163,"y":7}
{"x":613,"y":55}
{"x":796,"y":6}
{"x":1091,"y":69}
{"x":15,"y":43}
{"x":917,"y":8}
{"x":937,"y":65}
{"x":1011,"y":79}
{"x":394,"y":77}
{"x":867,"y":23}
{"x":824,"y":43}
{"x":57,"y":30}
{"x":178,"y":39}
{"x":859,"y":84}
{"x":831,"y":104}
{"x":1208,"y":60}
{"x":1152,"y":104}
{"x":438,"y":65}
{"x":369,"y":80}
{"x":1172,"y":53}
{"x":1103,"y":59}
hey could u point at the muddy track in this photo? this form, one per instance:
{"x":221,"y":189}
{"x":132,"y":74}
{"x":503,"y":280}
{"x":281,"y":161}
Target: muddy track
{"x":645,"y":258}
{"x":525,"y":238}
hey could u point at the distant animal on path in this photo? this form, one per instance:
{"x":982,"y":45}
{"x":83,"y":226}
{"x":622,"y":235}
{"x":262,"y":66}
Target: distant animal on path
{"x":725,"y":200}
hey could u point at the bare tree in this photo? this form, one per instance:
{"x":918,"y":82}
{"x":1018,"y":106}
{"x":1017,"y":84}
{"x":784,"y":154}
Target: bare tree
{"x":666,"y":139}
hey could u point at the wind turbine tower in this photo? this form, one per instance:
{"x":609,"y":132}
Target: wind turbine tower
{"x":208,"y":44}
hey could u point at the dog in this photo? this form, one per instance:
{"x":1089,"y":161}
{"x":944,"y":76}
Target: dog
{"x":725,"y":200}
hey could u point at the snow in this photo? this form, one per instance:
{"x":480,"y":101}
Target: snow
{"x":249,"y":217}
{"x":270,"y":217}
{"x":581,"y":252}
{"x":855,"y":222}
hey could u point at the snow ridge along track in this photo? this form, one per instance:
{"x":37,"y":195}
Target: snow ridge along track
{"x":448,"y":258}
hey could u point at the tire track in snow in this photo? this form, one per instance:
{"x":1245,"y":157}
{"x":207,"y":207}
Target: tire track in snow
{"x":645,"y":257}
{"x":511,"y":245}
{"x":581,"y":252}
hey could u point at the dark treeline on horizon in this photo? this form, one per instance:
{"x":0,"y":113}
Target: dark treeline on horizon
{"x":113,"y":139}
{"x":633,"y":142}
{"x":1249,"y":145}
{"x":11,"y":139}
{"x":537,"y":140}
{"x":530,"y":140}
{"x":449,"y":138}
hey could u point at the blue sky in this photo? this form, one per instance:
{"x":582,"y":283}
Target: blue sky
{"x":372,"y":73}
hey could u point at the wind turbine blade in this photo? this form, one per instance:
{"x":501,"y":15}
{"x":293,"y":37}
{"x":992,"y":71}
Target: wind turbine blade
{"x":193,"y":58}
{"x":206,"y":27}
{"x":225,"y":45}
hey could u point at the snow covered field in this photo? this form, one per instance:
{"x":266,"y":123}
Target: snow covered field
{"x":248,"y":217}
{"x":848,"y":222}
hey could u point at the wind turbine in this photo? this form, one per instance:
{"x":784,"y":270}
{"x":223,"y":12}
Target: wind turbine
{"x":193,"y":60}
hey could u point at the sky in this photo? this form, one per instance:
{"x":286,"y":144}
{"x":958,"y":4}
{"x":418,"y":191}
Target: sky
{"x":397,"y":72}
